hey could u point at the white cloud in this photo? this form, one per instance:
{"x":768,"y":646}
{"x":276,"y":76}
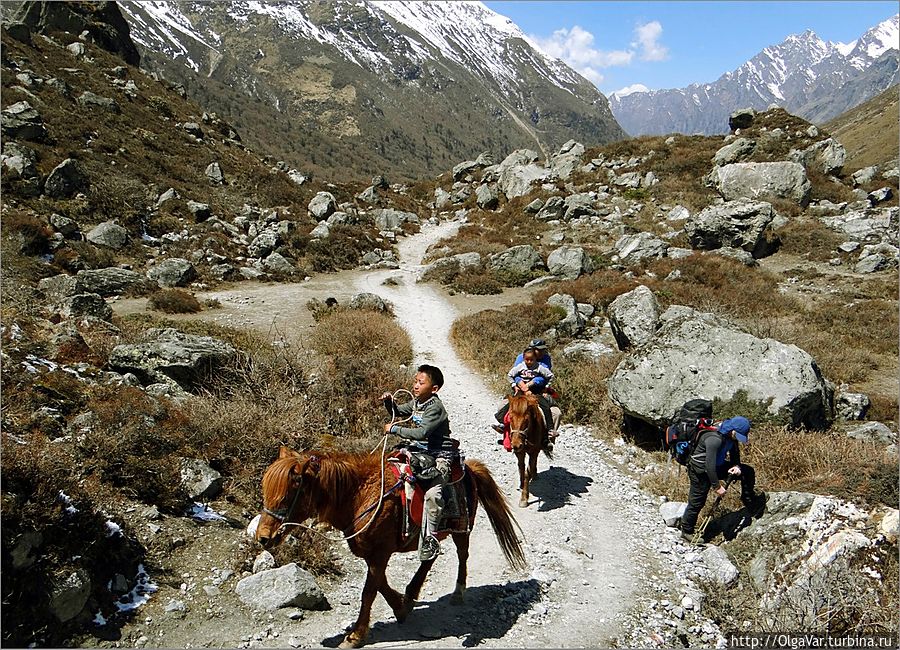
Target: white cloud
{"x":576,"y":47}
{"x":648,"y":40}
{"x":629,"y":90}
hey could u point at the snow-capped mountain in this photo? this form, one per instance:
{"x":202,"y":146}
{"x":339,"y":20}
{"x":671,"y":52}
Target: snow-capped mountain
{"x":810,"y":77}
{"x":416,"y":84}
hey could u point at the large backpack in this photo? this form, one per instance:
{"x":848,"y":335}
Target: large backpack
{"x":688,"y":424}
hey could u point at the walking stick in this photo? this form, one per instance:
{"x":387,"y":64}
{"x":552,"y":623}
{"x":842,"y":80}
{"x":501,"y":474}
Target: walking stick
{"x":698,"y":535}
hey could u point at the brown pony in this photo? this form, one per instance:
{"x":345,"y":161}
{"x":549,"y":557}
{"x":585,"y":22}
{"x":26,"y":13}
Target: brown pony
{"x":527,"y":431}
{"x":352,"y":492}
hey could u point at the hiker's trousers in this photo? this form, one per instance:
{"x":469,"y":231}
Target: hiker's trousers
{"x":700,"y":486}
{"x":434,"y":497}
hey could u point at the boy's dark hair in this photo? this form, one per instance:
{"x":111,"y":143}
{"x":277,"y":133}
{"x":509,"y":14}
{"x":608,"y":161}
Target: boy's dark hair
{"x":434,"y":374}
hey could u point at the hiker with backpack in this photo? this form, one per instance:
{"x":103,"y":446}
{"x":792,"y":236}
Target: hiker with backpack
{"x":715,"y":458}
{"x":711,"y":454}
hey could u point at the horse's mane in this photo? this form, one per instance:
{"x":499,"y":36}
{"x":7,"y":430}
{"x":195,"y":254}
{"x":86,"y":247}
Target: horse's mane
{"x":519,"y":404}
{"x":338,"y":472}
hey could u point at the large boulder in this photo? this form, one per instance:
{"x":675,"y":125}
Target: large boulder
{"x":22,"y":122}
{"x":573,"y":320}
{"x":83,"y":304}
{"x":69,"y":596}
{"x":567,"y":159}
{"x":390,"y":219}
{"x":114,"y":281}
{"x":263,"y":244}
{"x":518,"y":260}
{"x":784,"y":180}
{"x":808,"y":553}
{"x":370,"y":302}
{"x":734,"y":152}
{"x":486,"y":197}
{"x":101,"y":23}
{"x":171,"y":356}
{"x":735,"y":224}
{"x":696,"y":354}
{"x":90,"y":100}
{"x":173,"y":272}
{"x":58,"y":287}
{"x":109,"y":234}
{"x":66,"y":179}
{"x":569,"y":262}
{"x":634,"y":317}
{"x":741,"y":119}
{"x":871,"y":224}
{"x":517,"y":173}
{"x":827,"y":156}
{"x":631,"y":249}
{"x":322,"y":205}
{"x":287,"y":586}
{"x":200,"y":481}
{"x":19,"y":160}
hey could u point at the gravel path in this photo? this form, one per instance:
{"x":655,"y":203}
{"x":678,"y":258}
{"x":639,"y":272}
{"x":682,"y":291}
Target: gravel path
{"x":603,"y":570}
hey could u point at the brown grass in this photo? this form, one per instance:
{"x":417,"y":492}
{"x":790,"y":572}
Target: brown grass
{"x":174,"y":301}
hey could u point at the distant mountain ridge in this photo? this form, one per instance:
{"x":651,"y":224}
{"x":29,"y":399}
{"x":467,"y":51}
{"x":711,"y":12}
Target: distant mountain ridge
{"x":406,"y":87}
{"x":807,"y":76}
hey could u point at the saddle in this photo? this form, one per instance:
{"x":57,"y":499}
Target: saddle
{"x":416,"y":471}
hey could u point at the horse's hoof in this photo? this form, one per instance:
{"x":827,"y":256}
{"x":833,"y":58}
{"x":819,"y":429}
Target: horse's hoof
{"x":405,"y":609}
{"x":351,"y":641}
{"x":457,"y":598}
{"x":523,"y":503}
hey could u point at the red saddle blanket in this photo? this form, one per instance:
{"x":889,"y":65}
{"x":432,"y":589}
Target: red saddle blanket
{"x":458,"y":496}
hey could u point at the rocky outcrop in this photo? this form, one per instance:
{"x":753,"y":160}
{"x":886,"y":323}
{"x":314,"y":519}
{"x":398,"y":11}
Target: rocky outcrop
{"x":631,"y":249}
{"x":734,"y":152}
{"x":389,"y":219}
{"x":693,"y":354}
{"x":171,"y":356}
{"x":322,"y":205}
{"x":827,"y":156}
{"x":22,"y":121}
{"x":518,"y":172}
{"x":634,"y":317}
{"x":572,"y":322}
{"x":569,"y":262}
{"x":735,"y":224}
{"x":115,"y":281}
{"x":518,"y":260}
{"x":784,"y":180}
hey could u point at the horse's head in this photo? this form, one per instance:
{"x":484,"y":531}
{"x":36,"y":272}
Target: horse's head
{"x":522,"y":421}
{"x":286,"y":496}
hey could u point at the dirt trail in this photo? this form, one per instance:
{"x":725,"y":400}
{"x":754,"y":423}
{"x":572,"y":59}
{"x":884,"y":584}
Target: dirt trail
{"x":585,"y":529}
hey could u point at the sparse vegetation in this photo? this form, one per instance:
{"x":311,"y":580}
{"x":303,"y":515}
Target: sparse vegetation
{"x":174,"y":301}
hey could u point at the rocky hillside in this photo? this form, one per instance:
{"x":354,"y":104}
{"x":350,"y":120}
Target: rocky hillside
{"x":655,"y":266}
{"x":404,"y":88}
{"x":805,"y":75}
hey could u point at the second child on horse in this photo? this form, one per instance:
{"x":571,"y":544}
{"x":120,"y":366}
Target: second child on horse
{"x":529,"y":376}
{"x":431,"y":426}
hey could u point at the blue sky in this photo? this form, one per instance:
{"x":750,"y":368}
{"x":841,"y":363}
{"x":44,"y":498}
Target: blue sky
{"x":673,"y":44}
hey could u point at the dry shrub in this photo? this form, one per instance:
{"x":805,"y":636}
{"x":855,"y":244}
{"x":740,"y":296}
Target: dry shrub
{"x":342,"y":249}
{"x":364,"y":353}
{"x":34,"y":477}
{"x":174,"y":301}
{"x":827,"y":463}
{"x":809,"y":238}
{"x":598,"y":289}
{"x":134,"y":445}
{"x":884,"y":408}
{"x":476,"y":282}
{"x":581,"y":384}
{"x":491,"y":339}
{"x":30,"y":233}
{"x":717,"y":284}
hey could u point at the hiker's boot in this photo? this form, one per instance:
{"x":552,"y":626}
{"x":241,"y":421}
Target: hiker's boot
{"x":429,"y":548}
{"x":755,"y":504}
{"x":688,"y":537}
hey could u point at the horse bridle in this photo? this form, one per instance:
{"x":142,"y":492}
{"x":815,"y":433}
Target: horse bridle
{"x":282,"y":513}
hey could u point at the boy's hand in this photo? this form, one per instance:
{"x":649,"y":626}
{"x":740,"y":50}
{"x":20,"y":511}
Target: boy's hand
{"x":734,"y":471}
{"x":387,"y":427}
{"x":387,"y":397}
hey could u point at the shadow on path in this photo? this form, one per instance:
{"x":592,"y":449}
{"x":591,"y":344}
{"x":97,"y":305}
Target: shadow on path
{"x":557,"y":486}
{"x":489,"y":612}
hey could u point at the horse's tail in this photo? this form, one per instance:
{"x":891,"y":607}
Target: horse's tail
{"x":499,"y":513}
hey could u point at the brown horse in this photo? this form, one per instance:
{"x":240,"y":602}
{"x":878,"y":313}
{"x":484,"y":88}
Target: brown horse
{"x":528,"y":432}
{"x":352,"y":492}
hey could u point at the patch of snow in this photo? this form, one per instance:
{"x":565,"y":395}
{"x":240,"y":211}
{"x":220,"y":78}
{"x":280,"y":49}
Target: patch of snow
{"x":67,"y":500}
{"x":113,"y":529}
{"x":140,"y":594}
{"x":203,"y":512}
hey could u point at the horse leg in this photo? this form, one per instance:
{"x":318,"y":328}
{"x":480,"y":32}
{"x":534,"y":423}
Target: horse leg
{"x":411,"y":594}
{"x":532,"y":463}
{"x":394,"y":599}
{"x":524,"y":480}
{"x":462,"y":553}
{"x":374,"y":579}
